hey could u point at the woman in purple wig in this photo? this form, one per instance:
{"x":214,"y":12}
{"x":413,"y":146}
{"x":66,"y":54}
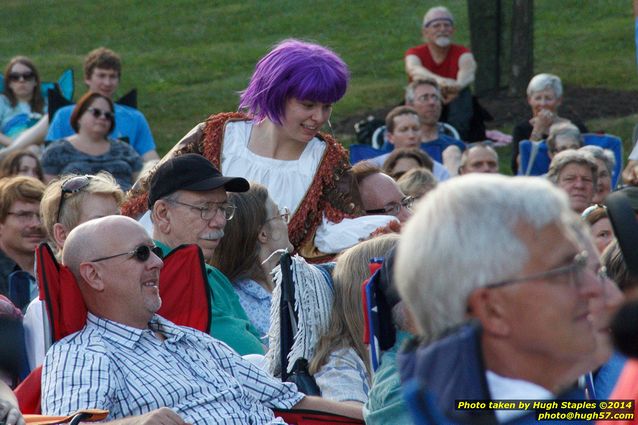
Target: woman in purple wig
{"x":277,"y":142}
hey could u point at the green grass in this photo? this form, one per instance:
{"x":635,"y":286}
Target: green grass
{"x":189,"y":58}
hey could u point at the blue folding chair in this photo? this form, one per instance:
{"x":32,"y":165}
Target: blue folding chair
{"x":534,"y":158}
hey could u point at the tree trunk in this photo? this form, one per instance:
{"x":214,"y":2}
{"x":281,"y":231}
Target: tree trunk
{"x":485,"y":30}
{"x":522,"y":52}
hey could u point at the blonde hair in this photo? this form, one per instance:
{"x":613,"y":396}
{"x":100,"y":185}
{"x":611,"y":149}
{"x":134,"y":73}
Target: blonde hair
{"x":102,"y":183}
{"x":416,"y":181}
{"x":346,"y":320}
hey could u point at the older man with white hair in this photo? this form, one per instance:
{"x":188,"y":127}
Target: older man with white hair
{"x":531,"y":310}
{"x":451,"y":65}
{"x":576,"y":172}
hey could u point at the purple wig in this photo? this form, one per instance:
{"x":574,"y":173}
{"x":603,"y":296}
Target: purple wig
{"x":294,"y":68}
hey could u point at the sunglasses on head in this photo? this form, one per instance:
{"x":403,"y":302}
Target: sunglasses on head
{"x":17,"y":76}
{"x":72,"y":185}
{"x":141,"y":253}
{"x":97,"y":113}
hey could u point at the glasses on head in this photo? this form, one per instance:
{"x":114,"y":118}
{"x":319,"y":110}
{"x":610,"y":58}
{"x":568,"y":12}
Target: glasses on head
{"x":141,"y":253}
{"x":26,"y":216}
{"x":575,"y":269}
{"x":284,"y":214}
{"x":591,"y":209}
{"x":72,"y":185}
{"x":211,"y":209}
{"x":17,"y":76}
{"x":97,"y":113}
{"x":393,"y":208}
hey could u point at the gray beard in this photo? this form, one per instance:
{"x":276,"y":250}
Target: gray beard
{"x":443,"y":41}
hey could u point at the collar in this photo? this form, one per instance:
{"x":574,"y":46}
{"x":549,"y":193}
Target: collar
{"x":128,"y":336}
{"x":253,"y":289}
{"x":165,"y":248}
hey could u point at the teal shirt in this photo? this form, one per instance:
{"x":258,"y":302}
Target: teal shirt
{"x":385,"y":403}
{"x":229,"y":322}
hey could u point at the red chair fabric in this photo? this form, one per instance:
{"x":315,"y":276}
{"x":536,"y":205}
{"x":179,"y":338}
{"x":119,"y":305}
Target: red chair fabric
{"x":311,"y":417}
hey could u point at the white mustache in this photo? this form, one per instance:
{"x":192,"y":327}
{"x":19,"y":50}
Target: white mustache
{"x":213,"y":235}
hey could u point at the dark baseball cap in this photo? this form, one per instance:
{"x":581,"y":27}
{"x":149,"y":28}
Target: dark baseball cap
{"x":190,"y":171}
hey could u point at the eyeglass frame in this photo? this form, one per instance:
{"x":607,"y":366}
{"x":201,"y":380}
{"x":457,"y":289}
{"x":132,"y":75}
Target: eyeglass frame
{"x":26,"y":216}
{"x":135,"y":254}
{"x":63,"y":191}
{"x":99,"y":113}
{"x":14,"y":77}
{"x":578,"y":264}
{"x":202,"y":210}
{"x":283,"y":213}
{"x":406,"y":202}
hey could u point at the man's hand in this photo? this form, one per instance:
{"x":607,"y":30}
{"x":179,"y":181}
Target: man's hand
{"x":9,"y":414}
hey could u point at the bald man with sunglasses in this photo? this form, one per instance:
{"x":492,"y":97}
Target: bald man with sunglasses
{"x":141,"y":367}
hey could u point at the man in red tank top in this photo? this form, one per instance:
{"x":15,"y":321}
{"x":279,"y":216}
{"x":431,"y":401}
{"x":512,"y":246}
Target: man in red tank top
{"x":451,"y":65}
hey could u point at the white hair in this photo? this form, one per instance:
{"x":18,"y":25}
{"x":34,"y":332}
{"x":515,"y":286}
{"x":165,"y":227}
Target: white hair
{"x":605,"y":155}
{"x":541,"y":82}
{"x":463,"y":236}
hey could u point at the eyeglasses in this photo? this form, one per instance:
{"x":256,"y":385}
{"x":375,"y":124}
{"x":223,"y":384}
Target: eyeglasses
{"x":211,"y":209}
{"x":142,"y":253}
{"x":26,"y":216}
{"x":284,"y":214}
{"x":97,"y":113}
{"x":591,"y":209}
{"x":72,"y":185}
{"x":17,"y":76}
{"x":576,"y":269}
{"x":393,"y":208}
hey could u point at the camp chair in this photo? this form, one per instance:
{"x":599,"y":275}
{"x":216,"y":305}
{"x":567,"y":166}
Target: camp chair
{"x":184,"y":289}
{"x":534,"y":158}
{"x":311,"y":417}
{"x":88,"y":415}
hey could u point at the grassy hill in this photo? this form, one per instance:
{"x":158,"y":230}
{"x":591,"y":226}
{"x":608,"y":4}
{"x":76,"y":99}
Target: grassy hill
{"x":189,"y":58}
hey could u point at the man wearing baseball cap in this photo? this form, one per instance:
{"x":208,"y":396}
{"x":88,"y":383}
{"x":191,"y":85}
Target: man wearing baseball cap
{"x":188,"y":203}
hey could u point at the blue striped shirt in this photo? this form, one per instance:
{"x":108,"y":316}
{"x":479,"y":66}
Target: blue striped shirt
{"x":129,"y":371}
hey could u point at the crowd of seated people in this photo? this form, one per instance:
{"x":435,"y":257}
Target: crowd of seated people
{"x":250,"y":189}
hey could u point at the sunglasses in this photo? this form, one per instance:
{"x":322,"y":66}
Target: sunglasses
{"x":17,"y":76}
{"x":98,"y":113}
{"x":142,"y":253}
{"x":72,"y":185}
